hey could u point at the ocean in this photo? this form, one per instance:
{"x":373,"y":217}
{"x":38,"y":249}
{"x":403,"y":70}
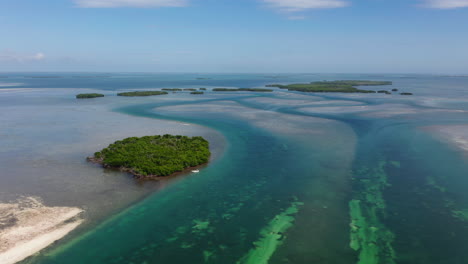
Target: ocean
{"x":294,"y":177}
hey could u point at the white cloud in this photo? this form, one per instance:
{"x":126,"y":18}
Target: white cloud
{"x":302,"y":5}
{"x":296,"y":17}
{"x":446,"y":4}
{"x":130,"y":3}
{"x":38,"y":56}
{"x":11,"y":56}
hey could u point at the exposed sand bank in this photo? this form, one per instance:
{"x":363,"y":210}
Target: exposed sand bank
{"x":10,"y":84}
{"x":27,"y":226}
{"x":456,"y":135}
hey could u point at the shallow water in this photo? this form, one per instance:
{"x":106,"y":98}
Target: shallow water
{"x":280,"y":188}
{"x":46,"y":137}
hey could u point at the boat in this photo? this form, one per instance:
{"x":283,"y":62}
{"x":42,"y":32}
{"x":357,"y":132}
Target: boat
{"x":195,"y":171}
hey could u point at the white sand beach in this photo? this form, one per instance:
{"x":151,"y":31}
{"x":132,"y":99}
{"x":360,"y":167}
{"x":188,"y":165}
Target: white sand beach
{"x":27,"y":226}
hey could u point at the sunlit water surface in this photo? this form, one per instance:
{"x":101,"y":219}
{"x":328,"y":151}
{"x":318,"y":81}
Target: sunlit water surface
{"x":286,"y":170}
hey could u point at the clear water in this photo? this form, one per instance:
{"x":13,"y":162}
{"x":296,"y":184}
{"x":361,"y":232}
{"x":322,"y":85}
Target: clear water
{"x":285,"y":168}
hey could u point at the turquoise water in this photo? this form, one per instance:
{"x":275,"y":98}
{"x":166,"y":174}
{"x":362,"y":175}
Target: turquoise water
{"x":280,"y":192}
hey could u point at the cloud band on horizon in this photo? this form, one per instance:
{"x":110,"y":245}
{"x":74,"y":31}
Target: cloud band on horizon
{"x":130,"y":3}
{"x":11,"y":56}
{"x":445,"y":4}
{"x":301,"y":5}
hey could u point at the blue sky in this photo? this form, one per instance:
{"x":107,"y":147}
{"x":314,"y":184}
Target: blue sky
{"x":336,"y":36}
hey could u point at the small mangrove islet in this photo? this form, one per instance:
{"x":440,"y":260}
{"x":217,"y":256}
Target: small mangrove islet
{"x":241,"y":90}
{"x":172,"y":89}
{"x":225,"y":90}
{"x":43,"y":77}
{"x":154,"y":156}
{"x":384,"y":91}
{"x":196,"y":92}
{"x":142,"y":93}
{"x":88,"y":95}
{"x":341,"y":86}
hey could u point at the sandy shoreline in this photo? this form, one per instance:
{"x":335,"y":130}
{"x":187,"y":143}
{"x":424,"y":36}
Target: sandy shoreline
{"x":27,"y":226}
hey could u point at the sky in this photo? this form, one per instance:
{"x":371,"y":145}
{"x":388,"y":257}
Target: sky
{"x":238,"y":36}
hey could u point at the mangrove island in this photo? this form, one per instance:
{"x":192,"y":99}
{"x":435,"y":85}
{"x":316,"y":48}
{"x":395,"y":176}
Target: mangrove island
{"x":172,"y":89}
{"x":241,"y":90}
{"x":142,"y":93}
{"x":342,"y":86}
{"x":89,"y":95}
{"x":384,"y":91}
{"x":154,"y":156}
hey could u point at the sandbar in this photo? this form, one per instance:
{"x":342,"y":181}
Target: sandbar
{"x":27,"y":226}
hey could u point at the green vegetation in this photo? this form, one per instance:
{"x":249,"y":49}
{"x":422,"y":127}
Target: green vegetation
{"x":202,"y":89}
{"x":343,"y":86}
{"x":384,"y":91}
{"x":395,"y":90}
{"x":431,"y":181}
{"x":45,"y":77}
{"x":242,"y":89}
{"x":461,"y":214}
{"x":142,"y":93}
{"x":271,"y":236}
{"x":190,"y":89}
{"x":406,"y":93}
{"x":369,"y":236}
{"x":172,"y":89}
{"x":92,"y":76}
{"x":197,"y":93}
{"x":255,"y":90}
{"x":457,"y":210}
{"x":153,"y":156}
{"x":225,"y":90}
{"x":89,"y":95}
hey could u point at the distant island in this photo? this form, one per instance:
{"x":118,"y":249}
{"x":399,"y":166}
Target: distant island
{"x":93,"y":76}
{"x":89,"y":95}
{"x":241,"y":89}
{"x":197,"y":92}
{"x":341,"y":86}
{"x":154,"y":156}
{"x":142,"y":93}
{"x":172,"y":89}
{"x":384,"y":91}
{"x":179,"y":89}
{"x":44,"y":77}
